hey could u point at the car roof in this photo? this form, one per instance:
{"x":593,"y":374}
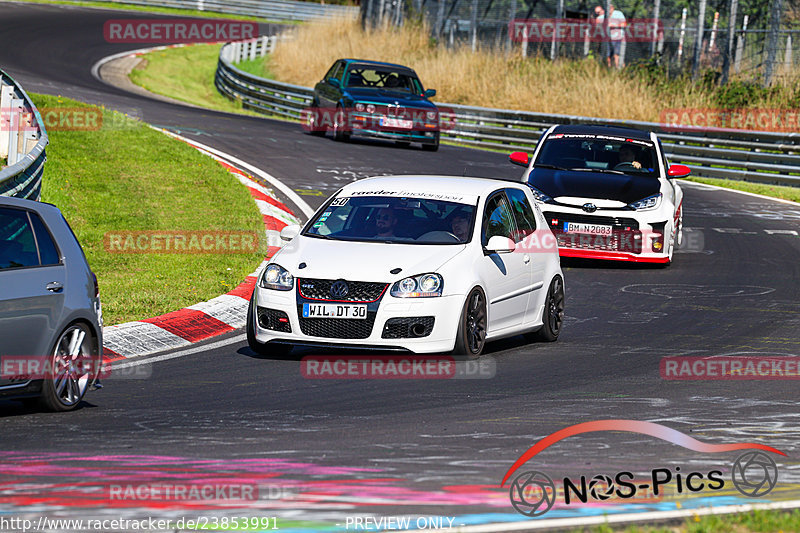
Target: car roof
{"x":602,"y":129}
{"x":436,"y":184}
{"x":376,"y":63}
{"x":10,"y":201}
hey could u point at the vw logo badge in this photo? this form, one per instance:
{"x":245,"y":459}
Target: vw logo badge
{"x":589,"y":208}
{"x":339,"y":289}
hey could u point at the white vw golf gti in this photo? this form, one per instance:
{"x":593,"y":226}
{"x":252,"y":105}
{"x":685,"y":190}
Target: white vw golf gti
{"x":426,"y":264}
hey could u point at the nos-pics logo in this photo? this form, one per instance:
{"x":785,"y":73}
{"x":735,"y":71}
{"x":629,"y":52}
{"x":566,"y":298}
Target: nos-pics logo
{"x":533,"y":493}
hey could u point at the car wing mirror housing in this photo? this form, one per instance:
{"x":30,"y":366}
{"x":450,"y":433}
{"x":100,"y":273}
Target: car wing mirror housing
{"x":334,"y":82}
{"x":520,"y":158}
{"x":678,"y":171}
{"x":429,"y":93}
{"x":290,"y":232}
{"x":500,"y":245}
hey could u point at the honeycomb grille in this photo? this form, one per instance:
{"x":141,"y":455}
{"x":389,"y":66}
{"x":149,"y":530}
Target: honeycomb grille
{"x":336,"y":328}
{"x":400,"y":328}
{"x":358,"y":291}
{"x":270,"y":319}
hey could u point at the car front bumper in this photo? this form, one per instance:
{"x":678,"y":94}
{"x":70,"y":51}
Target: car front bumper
{"x":441,"y":337}
{"x":640,"y":237}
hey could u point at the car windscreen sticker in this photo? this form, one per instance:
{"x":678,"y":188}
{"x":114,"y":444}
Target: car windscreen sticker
{"x":470,"y":199}
{"x":611,"y":138}
{"x":339,"y":201}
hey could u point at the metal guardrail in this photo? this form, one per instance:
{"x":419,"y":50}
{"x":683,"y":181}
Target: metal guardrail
{"x":759,"y":156}
{"x":282,"y":10}
{"x":23,"y":139}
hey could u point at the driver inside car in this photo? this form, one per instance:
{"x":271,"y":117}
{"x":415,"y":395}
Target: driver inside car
{"x":627,"y":154}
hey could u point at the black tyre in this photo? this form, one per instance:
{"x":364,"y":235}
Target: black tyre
{"x":471,"y":335}
{"x":432,"y":147}
{"x":340,"y":132}
{"x":74,"y":363}
{"x":262,"y":350}
{"x":553,"y":315}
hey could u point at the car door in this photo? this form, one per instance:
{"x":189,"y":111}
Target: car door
{"x":506,"y":276}
{"x":32,"y":278}
{"x":533,"y":250}
{"x":330,"y":91}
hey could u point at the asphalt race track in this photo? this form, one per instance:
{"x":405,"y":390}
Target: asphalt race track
{"x":337,"y":449}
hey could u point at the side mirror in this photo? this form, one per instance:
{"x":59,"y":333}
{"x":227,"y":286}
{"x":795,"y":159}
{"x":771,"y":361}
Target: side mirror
{"x":678,"y":171}
{"x":334,"y":82}
{"x":520,"y":158}
{"x":429,"y":93}
{"x":500,"y":245}
{"x":290,"y":232}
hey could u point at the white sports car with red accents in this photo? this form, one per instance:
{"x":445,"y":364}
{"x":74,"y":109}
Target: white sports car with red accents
{"x":423,"y":264}
{"x":607,"y":192}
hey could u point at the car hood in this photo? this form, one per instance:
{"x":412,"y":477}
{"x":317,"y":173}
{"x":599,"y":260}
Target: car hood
{"x":385,"y":96}
{"x":621,"y":187}
{"x":360,"y":261}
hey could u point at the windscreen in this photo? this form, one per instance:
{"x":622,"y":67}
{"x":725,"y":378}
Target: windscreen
{"x":600,"y":153}
{"x":393,"y":219}
{"x":384,"y":78}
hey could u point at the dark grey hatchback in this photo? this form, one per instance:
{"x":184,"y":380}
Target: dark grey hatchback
{"x":51,"y":326}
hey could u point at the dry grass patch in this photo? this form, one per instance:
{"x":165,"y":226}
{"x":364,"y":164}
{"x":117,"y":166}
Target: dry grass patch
{"x":486,"y":78}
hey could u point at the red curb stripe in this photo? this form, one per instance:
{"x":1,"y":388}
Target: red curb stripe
{"x":190,"y":324}
{"x":274,"y":223}
{"x":111,"y":355}
{"x":245,"y":288}
{"x":258,"y":195}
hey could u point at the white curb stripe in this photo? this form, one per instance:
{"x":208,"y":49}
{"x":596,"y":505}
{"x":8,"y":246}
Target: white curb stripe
{"x":133,"y":339}
{"x":227,"y":308}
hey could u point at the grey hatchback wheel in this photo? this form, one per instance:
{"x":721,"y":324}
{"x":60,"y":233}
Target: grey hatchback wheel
{"x":73,"y":366}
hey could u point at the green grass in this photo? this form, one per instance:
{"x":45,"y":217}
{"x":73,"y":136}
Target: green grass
{"x":257,"y":67}
{"x":775,"y":191}
{"x":164,"y":10}
{"x":126,"y":176}
{"x":186,"y":73}
{"x":752,"y":522}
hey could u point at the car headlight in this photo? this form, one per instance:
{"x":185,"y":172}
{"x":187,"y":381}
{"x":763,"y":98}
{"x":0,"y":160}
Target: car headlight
{"x":539,"y":196}
{"x":431,"y":115}
{"x":422,"y":286}
{"x":370,"y":108}
{"x":646,"y":203}
{"x":359,"y":107}
{"x":276,"y":277}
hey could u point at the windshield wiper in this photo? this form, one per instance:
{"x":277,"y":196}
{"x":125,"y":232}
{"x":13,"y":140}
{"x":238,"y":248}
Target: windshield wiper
{"x":604,"y":170}
{"x":547,"y":165}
